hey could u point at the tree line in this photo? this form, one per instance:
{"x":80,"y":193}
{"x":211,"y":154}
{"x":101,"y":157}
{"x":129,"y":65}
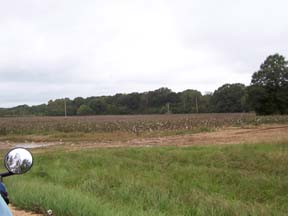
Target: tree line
{"x":267,"y":94}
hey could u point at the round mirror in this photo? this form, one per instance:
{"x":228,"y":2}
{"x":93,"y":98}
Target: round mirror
{"x":18,"y":161}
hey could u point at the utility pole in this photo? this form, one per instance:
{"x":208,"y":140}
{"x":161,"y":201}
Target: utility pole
{"x":168,"y":108}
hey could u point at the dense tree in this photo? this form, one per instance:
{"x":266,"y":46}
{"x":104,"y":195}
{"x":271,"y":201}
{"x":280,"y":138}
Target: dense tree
{"x":98,"y":105}
{"x":56,"y":107}
{"x":133,"y":101}
{"x":78,"y":101}
{"x":162,"y":100}
{"x":128,"y":102}
{"x":204,"y":104}
{"x":268,"y":92}
{"x":39,"y":110}
{"x":71,"y":109}
{"x":190,"y":100}
{"x":84,"y":110}
{"x":21,"y":110}
{"x":159,"y":97}
{"x":229,"y":98}
{"x":267,"y":95}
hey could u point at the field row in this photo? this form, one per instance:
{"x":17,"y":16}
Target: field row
{"x":132,"y":124}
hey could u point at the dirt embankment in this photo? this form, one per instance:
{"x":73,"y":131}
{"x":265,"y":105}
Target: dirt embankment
{"x":230,"y":135}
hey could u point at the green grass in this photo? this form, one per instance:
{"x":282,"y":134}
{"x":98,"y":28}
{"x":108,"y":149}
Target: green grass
{"x":210,"y":180}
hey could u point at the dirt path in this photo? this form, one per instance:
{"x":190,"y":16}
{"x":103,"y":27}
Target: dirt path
{"x":231,"y":135}
{"x":228,"y":135}
{"x":17,"y":212}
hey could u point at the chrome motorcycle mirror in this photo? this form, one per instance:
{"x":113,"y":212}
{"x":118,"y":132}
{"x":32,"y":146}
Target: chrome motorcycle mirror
{"x":18,"y":161}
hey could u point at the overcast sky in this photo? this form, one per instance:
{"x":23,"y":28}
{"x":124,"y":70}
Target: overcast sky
{"x":65,"y":48}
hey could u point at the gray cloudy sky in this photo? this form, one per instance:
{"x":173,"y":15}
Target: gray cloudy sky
{"x":65,"y":48}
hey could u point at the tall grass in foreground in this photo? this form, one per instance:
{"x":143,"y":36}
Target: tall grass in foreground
{"x":214,"y":180}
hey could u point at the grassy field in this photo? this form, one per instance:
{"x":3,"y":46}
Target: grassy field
{"x":242,"y":179}
{"x":210,"y":180}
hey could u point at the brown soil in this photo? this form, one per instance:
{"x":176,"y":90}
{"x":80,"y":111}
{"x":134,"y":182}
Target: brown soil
{"x":228,"y":135}
{"x":17,"y":212}
{"x":231,"y":135}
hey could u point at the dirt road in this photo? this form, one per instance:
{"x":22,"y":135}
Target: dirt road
{"x":230,"y":135}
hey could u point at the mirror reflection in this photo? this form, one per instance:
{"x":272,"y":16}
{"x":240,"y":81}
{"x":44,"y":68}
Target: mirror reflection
{"x":18,"y":160}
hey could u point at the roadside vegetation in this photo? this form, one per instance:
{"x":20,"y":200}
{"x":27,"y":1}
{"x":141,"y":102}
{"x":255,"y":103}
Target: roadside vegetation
{"x":210,"y":180}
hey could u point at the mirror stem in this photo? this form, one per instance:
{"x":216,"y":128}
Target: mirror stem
{"x":2,"y":175}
